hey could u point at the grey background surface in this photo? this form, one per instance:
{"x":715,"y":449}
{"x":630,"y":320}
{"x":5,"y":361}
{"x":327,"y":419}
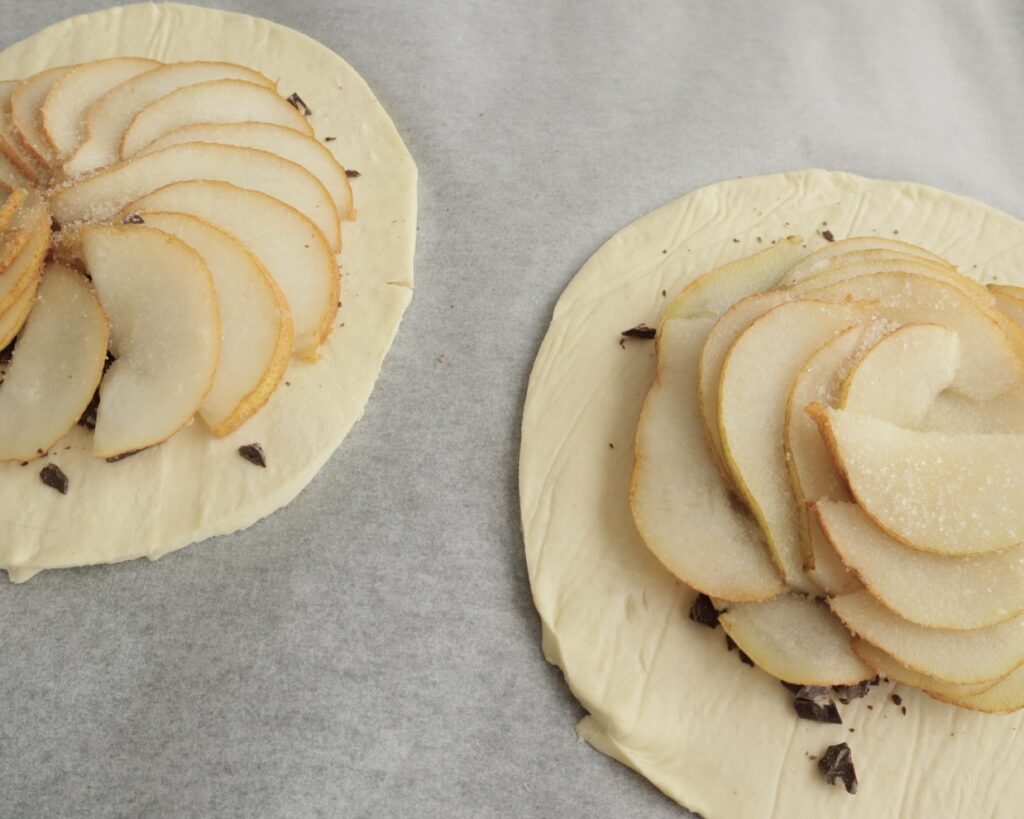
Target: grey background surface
{"x":372,"y":650}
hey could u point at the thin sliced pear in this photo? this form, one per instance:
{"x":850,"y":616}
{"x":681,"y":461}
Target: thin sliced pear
{"x":796,"y":639}
{"x":1005,"y":697}
{"x":64,"y":109}
{"x":11,"y":176}
{"x":26,"y":101}
{"x":109,"y":117}
{"x":900,"y":377}
{"x":820,"y":259}
{"x":11,"y":205}
{"x":723,"y":335}
{"x":103,"y":194}
{"x":23,"y":272}
{"x":973,"y":656}
{"x":1010,"y":301}
{"x":681,"y":506}
{"x":256,"y":325}
{"x":17,"y":314}
{"x":953,"y":494}
{"x":886,"y":666}
{"x":954,"y":414}
{"x":216,"y":101}
{"x":990,"y":363}
{"x":11,"y":244}
{"x":286,"y":143}
{"x":57,"y":364}
{"x":928,"y":589}
{"x":11,"y":147}
{"x":164,"y":333}
{"x":757,"y":379}
{"x":287,"y":244}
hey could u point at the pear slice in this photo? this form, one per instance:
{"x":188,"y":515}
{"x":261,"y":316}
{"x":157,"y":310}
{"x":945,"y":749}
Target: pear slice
{"x":11,"y":244}
{"x":973,"y":656}
{"x":886,"y":666}
{"x":937,"y":492}
{"x":928,"y":589}
{"x":23,"y":272}
{"x":11,"y":205}
{"x":26,"y":100}
{"x":288,"y":144}
{"x":287,"y":244}
{"x":955,"y":414}
{"x":57,"y":364}
{"x":681,"y":506}
{"x":103,"y":194}
{"x":1005,"y":697}
{"x":900,"y":377}
{"x":11,"y":147}
{"x":1010,"y":301}
{"x":990,"y":365}
{"x":823,"y":257}
{"x":11,"y":177}
{"x":63,"y":110}
{"x":164,"y":333}
{"x":757,"y":379}
{"x":17,"y":314}
{"x":216,"y":101}
{"x":796,"y":639}
{"x":109,"y":117}
{"x":256,"y":325}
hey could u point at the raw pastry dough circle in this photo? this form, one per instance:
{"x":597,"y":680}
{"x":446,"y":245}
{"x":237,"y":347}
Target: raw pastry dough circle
{"x":195,"y":486}
{"x":663,"y":695}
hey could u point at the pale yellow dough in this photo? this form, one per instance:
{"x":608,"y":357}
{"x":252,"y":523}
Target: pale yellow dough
{"x":196,"y":486}
{"x":664,"y":696}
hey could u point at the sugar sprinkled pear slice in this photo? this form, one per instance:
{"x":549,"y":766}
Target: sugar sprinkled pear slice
{"x":928,"y":589}
{"x":286,"y":143}
{"x":23,"y":271}
{"x":955,"y":414}
{"x":954,"y":494}
{"x":14,"y":318}
{"x":12,"y":203}
{"x":165,"y":334}
{"x":973,"y":656}
{"x":900,"y":377}
{"x":256,"y":325}
{"x":796,"y":639}
{"x":287,"y":244}
{"x":109,"y":117}
{"x":887,"y":666}
{"x":57,"y":364}
{"x":64,"y":108}
{"x":26,"y":100}
{"x":757,"y":379}
{"x":19,"y":159}
{"x":103,"y":194}
{"x":814,"y":263}
{"x":216,"y":101}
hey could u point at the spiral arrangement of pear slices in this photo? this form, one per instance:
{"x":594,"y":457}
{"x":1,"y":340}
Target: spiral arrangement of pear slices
{"x":179,"y":220}
{"x":864,"y":405}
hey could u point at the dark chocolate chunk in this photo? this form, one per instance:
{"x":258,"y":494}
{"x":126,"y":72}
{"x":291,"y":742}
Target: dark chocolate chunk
{"x":703,"y":610}
{"x":896,"y":698}
{"x":848,"y":693}
{"x":352,"y":174}
{"x":253,"y":453}
{"x":53,"y":476}
{"x":813,"y":703}
{"x":88,"y":419}
{"x":299,"y":105}
{"x":640,"y":331}
{"x":730,"y":645}
{"x":134,"y":219}
{"x":837,"y":763}
{"x":329,"y":139}
{"x":827,"y":236}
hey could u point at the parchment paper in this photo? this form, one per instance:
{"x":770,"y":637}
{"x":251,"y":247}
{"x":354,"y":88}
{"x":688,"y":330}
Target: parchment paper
{"x":372,"y":650}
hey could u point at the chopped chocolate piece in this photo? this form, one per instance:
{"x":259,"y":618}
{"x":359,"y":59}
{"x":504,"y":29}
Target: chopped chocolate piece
{"x":730,"y":645}
{"x":352,"y":174}
{"x":837,"y":763}
{"x":88,"y":419}
{"x":903,"y":708}
{"x":299,"y":105}
{"x":7,"y":352}
{"x":640,"y":331}
{"x":896,"y":698}
{"x":813,"y":703}
{"x":54,"y":225}
{"x":329,"y":139}
{"x":703,"y":610}
{"x":253,"y":453}
{"x":827,"y":236}
{"x":113,"y":459}
{"x":848,"y":693}
{"x":53,"y":476}
{"x":134,"y":219}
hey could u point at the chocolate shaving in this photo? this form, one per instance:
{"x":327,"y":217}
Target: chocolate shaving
{"x":848,"y":693}
{"x":730,"y":645}
{"x":352,"y":174}
{"x":113,"y":459}
{"x":837,"y":763}
{"x":253,"y":453}
{"x":813,"y":703}
{"x":53,"y":476}
{"x":329,"y":139}
{"x":827,"y":236}
{"x":896,"y":698}
{"x":640,"y":331}
{"x":703,"y":610}
{"x":134,"y":219}
{"x":299,"y":105}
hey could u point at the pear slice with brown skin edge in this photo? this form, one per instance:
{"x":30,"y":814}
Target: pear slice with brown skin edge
{"x":256,"y":324}
{"x":887,"y":666}
{"x":821,"y":258}
{"x":796,"y":639}
{"x":57,"y":364}
{"x":757,"y":379}
{"x":288,"y":245}
{"x":23,"y":272}
{"x":109,"y":117}
{"x":900,"y":377}
{"x":17,"y":314}
{"x":64,"y":108}
{"x":288,"y":144}
{"x":974,"y":656}
{"x":952,"y":494}
{"x":216,"y":101}
{"x":100,"y":196}
{"x":11,"y":205}
{"x":166,"y":347}
{"x":26,"y":101}
{"x":936,"y":591}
